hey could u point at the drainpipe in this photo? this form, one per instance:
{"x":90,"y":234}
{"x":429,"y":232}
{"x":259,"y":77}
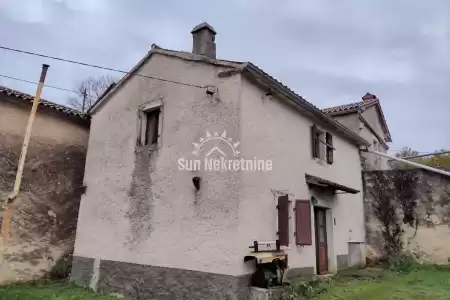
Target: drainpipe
{"x":439,"y":171}
{"x":8,"y":211}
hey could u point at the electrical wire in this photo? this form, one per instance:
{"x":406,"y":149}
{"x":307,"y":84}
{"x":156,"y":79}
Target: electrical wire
{"x":46,"y":85}
{"x":96,"y":66}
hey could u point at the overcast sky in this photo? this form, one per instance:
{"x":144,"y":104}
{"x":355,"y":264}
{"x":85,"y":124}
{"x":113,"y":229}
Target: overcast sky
{"x":330,"y":52}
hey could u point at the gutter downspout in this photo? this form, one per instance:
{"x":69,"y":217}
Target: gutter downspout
{"x":8,"y":211}
{"x":439,"y":171}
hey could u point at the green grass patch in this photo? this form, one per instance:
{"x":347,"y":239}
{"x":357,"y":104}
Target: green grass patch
{"x":421,"y":282}
{"x":49,"y":291}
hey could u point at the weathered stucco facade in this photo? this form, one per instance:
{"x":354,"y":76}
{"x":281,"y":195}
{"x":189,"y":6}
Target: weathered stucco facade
{"x":273,"y":130}
{"x":145,"y":230}
{"x":353,"y":121}
{"x":429,"y":197}
{"x":46,"y":209}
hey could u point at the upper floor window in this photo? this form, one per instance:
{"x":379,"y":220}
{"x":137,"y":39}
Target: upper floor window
{"x":322,"y":145}
{"x":151,"y":127}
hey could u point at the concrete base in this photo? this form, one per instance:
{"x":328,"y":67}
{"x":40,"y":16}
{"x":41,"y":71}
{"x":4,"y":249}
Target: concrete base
{"x":342,"y":261}
{"x":265,"y":294}
{"x":145,"y":281}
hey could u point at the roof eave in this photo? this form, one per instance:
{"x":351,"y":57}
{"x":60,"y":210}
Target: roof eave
{"x":383,"y":119}
{"x":305,"y":105}
{"x":101,"y":100}
{"x":383,"y":142}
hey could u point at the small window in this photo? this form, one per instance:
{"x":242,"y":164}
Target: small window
{"x":151,"y":127}
{"x":316,"y":135}
{"x":322,"y":145}
{"x":330,"y":149}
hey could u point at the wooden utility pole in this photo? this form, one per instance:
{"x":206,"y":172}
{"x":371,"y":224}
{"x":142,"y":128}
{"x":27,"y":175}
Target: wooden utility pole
{"x":23,"y":154}
{"x":84,"y":100}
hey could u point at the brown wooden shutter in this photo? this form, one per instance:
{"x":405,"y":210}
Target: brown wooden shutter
{"x":330,"y":149}
{"x":283,"y":220}
{"x":314,"y":142}
{"x":303,"y":235}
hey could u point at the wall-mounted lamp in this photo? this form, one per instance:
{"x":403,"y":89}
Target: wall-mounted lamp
{"x":314,"y":200}
{"x":196,"y":182}
{"x":210,"y":90}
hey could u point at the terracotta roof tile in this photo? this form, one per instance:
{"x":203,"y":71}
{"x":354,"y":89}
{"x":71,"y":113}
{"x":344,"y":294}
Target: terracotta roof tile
{"x":57,"y":107}
{"x":350,"y":106}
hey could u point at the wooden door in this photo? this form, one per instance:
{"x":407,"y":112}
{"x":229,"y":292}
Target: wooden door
{"x":321,"y":240}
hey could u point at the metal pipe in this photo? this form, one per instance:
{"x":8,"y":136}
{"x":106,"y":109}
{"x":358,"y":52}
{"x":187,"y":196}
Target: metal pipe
{"x":7,"y":214}
{"x":439,"y":171}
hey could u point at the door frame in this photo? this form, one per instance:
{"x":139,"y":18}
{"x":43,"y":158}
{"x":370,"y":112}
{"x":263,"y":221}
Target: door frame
{"x":316,"y":236}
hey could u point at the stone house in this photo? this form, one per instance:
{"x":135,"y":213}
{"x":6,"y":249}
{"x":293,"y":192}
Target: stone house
{"x":366,"y":118}
{"x":192,"y":158}
{"x":45,"y":212}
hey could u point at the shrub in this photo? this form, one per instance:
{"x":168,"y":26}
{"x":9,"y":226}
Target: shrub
{"x":403,"y":263}
{"x":307,"y":288}
{"x":62,"y":267}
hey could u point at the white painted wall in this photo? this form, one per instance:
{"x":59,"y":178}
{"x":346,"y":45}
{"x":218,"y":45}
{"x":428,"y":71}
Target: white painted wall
{"x":371,"y":115}
{"x":352,"y":121}
{"x":273,"y":130}
{"x":209,"y":230}
{"x":373,"y":161}
{"x":180,"y":228}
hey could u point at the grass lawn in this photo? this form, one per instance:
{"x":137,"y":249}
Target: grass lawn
{"x":49,"y":291}
{"x":423,"y":282}
{"x":426,"y":282}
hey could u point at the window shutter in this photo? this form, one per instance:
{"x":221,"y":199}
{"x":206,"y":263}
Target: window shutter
{"x":303,"y":235}
{"x":330,"y":149}
{"x":283,"y":220}
{"x":314,"y":142}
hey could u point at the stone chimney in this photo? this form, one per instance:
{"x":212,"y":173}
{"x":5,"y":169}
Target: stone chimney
{"x":368,"y":97}
{"x":203,"y":36}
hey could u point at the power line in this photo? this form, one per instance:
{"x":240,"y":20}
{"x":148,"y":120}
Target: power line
{"x":399,"y":150}
{"x":46,"y":85}
{"x":96,"y":66}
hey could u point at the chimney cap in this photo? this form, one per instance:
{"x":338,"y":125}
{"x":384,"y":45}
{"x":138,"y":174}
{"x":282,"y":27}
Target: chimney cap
{"x":203,"y":26}
{"x":368,"y":96}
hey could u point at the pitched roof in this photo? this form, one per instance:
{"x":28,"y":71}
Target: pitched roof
{"x":346,"y":108}
{"x":57,"y":107}
{"x":245,"y":68}
{"x":368,"y":101}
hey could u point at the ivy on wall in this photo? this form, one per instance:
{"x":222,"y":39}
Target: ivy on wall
{"x":393,"y":203}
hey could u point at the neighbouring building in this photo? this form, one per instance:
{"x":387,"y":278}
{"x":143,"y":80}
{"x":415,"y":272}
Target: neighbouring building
{"x":45,"y":212}
{"x":366,"y":118}
{"x":191,"y":159}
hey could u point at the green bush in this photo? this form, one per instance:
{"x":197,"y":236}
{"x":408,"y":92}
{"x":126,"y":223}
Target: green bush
{"x":403,"y":263}
{"x":62,"y":267}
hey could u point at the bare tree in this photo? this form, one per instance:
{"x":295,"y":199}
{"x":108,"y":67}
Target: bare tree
{"x":406,"y":152}
{"x":88,"y":91}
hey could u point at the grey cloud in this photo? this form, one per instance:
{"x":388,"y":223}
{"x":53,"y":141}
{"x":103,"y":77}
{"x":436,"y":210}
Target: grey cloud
{"x":330,"y":52}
